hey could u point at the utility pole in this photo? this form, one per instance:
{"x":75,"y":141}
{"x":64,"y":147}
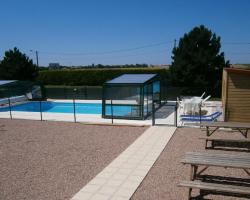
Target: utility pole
{"x":37,"y":59}
{"x":36,"y":52}
{"x":174,"y":43}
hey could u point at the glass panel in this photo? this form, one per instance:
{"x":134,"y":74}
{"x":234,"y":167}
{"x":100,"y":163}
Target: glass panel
{"x":150,"y":99}
{"x":156,"y":93}
{"x":125,"y":101}
{"x":122,"y":110}
{"x":145,"y":100}
{"x":123,"y":93}
{"x":156,"y":90}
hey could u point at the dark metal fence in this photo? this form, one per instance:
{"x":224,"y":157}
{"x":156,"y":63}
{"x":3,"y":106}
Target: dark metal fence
{"x":95,"y":93}
{"x":68,"y":92}
{"x":38,"y":110}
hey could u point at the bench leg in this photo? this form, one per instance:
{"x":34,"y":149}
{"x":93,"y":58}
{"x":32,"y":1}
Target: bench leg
{"x":192,"y":171}
{"x":207,"y":130}
{"x":203,"y":193}
{"x":212,"y":144}
{"x":206,"y":144}
{"x":210,"y":132}
{"x":248,"y":173}
{"x":189,"y":193}
{"x":244,"y":133}
{"x":201,"y":171}
{"x":195,"y":172}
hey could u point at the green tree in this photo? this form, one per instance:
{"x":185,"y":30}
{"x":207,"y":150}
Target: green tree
{"x":198,"y":62}
{"x":17,"y":66}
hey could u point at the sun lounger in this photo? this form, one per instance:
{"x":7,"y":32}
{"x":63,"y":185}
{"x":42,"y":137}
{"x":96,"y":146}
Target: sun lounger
{"x":205,"y":118}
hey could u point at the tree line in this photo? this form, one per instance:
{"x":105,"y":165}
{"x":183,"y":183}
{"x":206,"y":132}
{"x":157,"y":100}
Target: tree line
{"x":197,"y":60}
{"x":93,"y":66}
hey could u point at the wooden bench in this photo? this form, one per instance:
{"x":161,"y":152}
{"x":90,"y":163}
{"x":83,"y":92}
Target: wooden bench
{"x":239,"y":143}
{"x":215,"y":188}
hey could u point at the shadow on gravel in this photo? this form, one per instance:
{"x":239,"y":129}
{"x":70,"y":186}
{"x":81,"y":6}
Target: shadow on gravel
{"x":2,"y":128}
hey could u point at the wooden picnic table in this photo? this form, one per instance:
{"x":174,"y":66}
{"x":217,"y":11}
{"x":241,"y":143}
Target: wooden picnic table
{"x":196,"y":159}
{"x":239,"y":126}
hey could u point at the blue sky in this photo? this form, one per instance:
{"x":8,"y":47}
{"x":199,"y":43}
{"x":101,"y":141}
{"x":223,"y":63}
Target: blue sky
{"x":82,"y":32}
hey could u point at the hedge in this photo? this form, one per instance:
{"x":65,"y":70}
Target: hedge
{"x":93,"y":77}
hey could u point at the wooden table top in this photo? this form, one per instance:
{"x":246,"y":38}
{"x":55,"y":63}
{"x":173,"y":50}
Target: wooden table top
{"x":227,"y":124}
{"x":214,"y":159}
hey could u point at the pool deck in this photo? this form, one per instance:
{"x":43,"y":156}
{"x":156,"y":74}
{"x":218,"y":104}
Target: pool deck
{"x":83,"y":118}
{"x":164,"y":115}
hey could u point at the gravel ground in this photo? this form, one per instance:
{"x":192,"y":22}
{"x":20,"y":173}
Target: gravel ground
{"x":161,"y":181}
{"x":54,"y":160}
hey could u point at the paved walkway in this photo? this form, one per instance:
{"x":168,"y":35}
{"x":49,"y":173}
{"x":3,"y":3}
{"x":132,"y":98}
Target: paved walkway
{"x":120,"y":179}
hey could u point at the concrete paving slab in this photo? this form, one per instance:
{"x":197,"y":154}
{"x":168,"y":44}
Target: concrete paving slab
{"x":121,"y":178}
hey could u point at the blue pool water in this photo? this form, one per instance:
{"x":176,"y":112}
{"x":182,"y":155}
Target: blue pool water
{"x":59,"y":107}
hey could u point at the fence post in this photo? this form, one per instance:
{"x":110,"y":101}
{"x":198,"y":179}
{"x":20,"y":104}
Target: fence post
{"x":10,"y":108}
{"x":200,"y":113}
{"x":74,"y":109}
{"x":41,"y":115}
{"x":153,"y":113}
{"x":86,"y":92}
{"x":74,"y":103}
{"x":175,"y":114}
{"x":64,"y":92}
{"x":112,"y":112}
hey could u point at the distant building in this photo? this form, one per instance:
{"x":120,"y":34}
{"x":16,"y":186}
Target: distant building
{"x":54,"y":65}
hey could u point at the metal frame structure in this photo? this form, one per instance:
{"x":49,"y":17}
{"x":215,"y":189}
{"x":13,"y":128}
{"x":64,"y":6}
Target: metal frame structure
{"x":9,"y":88}
{"x":17,"y":91}
{"x":122,"y":87}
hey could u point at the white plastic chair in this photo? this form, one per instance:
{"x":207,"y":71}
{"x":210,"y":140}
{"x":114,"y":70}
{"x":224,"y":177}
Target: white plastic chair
{"x":204,"y":100}
{"x":203,"y":94}
{"x":180,"y":104}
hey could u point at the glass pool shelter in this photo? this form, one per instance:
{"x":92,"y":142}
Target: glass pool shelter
{"x":131,"y":96}
{"x":14,"y":89}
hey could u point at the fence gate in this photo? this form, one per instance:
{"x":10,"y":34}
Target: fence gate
{"x":166,"y":114}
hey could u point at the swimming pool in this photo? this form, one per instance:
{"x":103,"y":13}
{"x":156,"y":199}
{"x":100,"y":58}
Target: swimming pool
{"x":62,"y":107}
